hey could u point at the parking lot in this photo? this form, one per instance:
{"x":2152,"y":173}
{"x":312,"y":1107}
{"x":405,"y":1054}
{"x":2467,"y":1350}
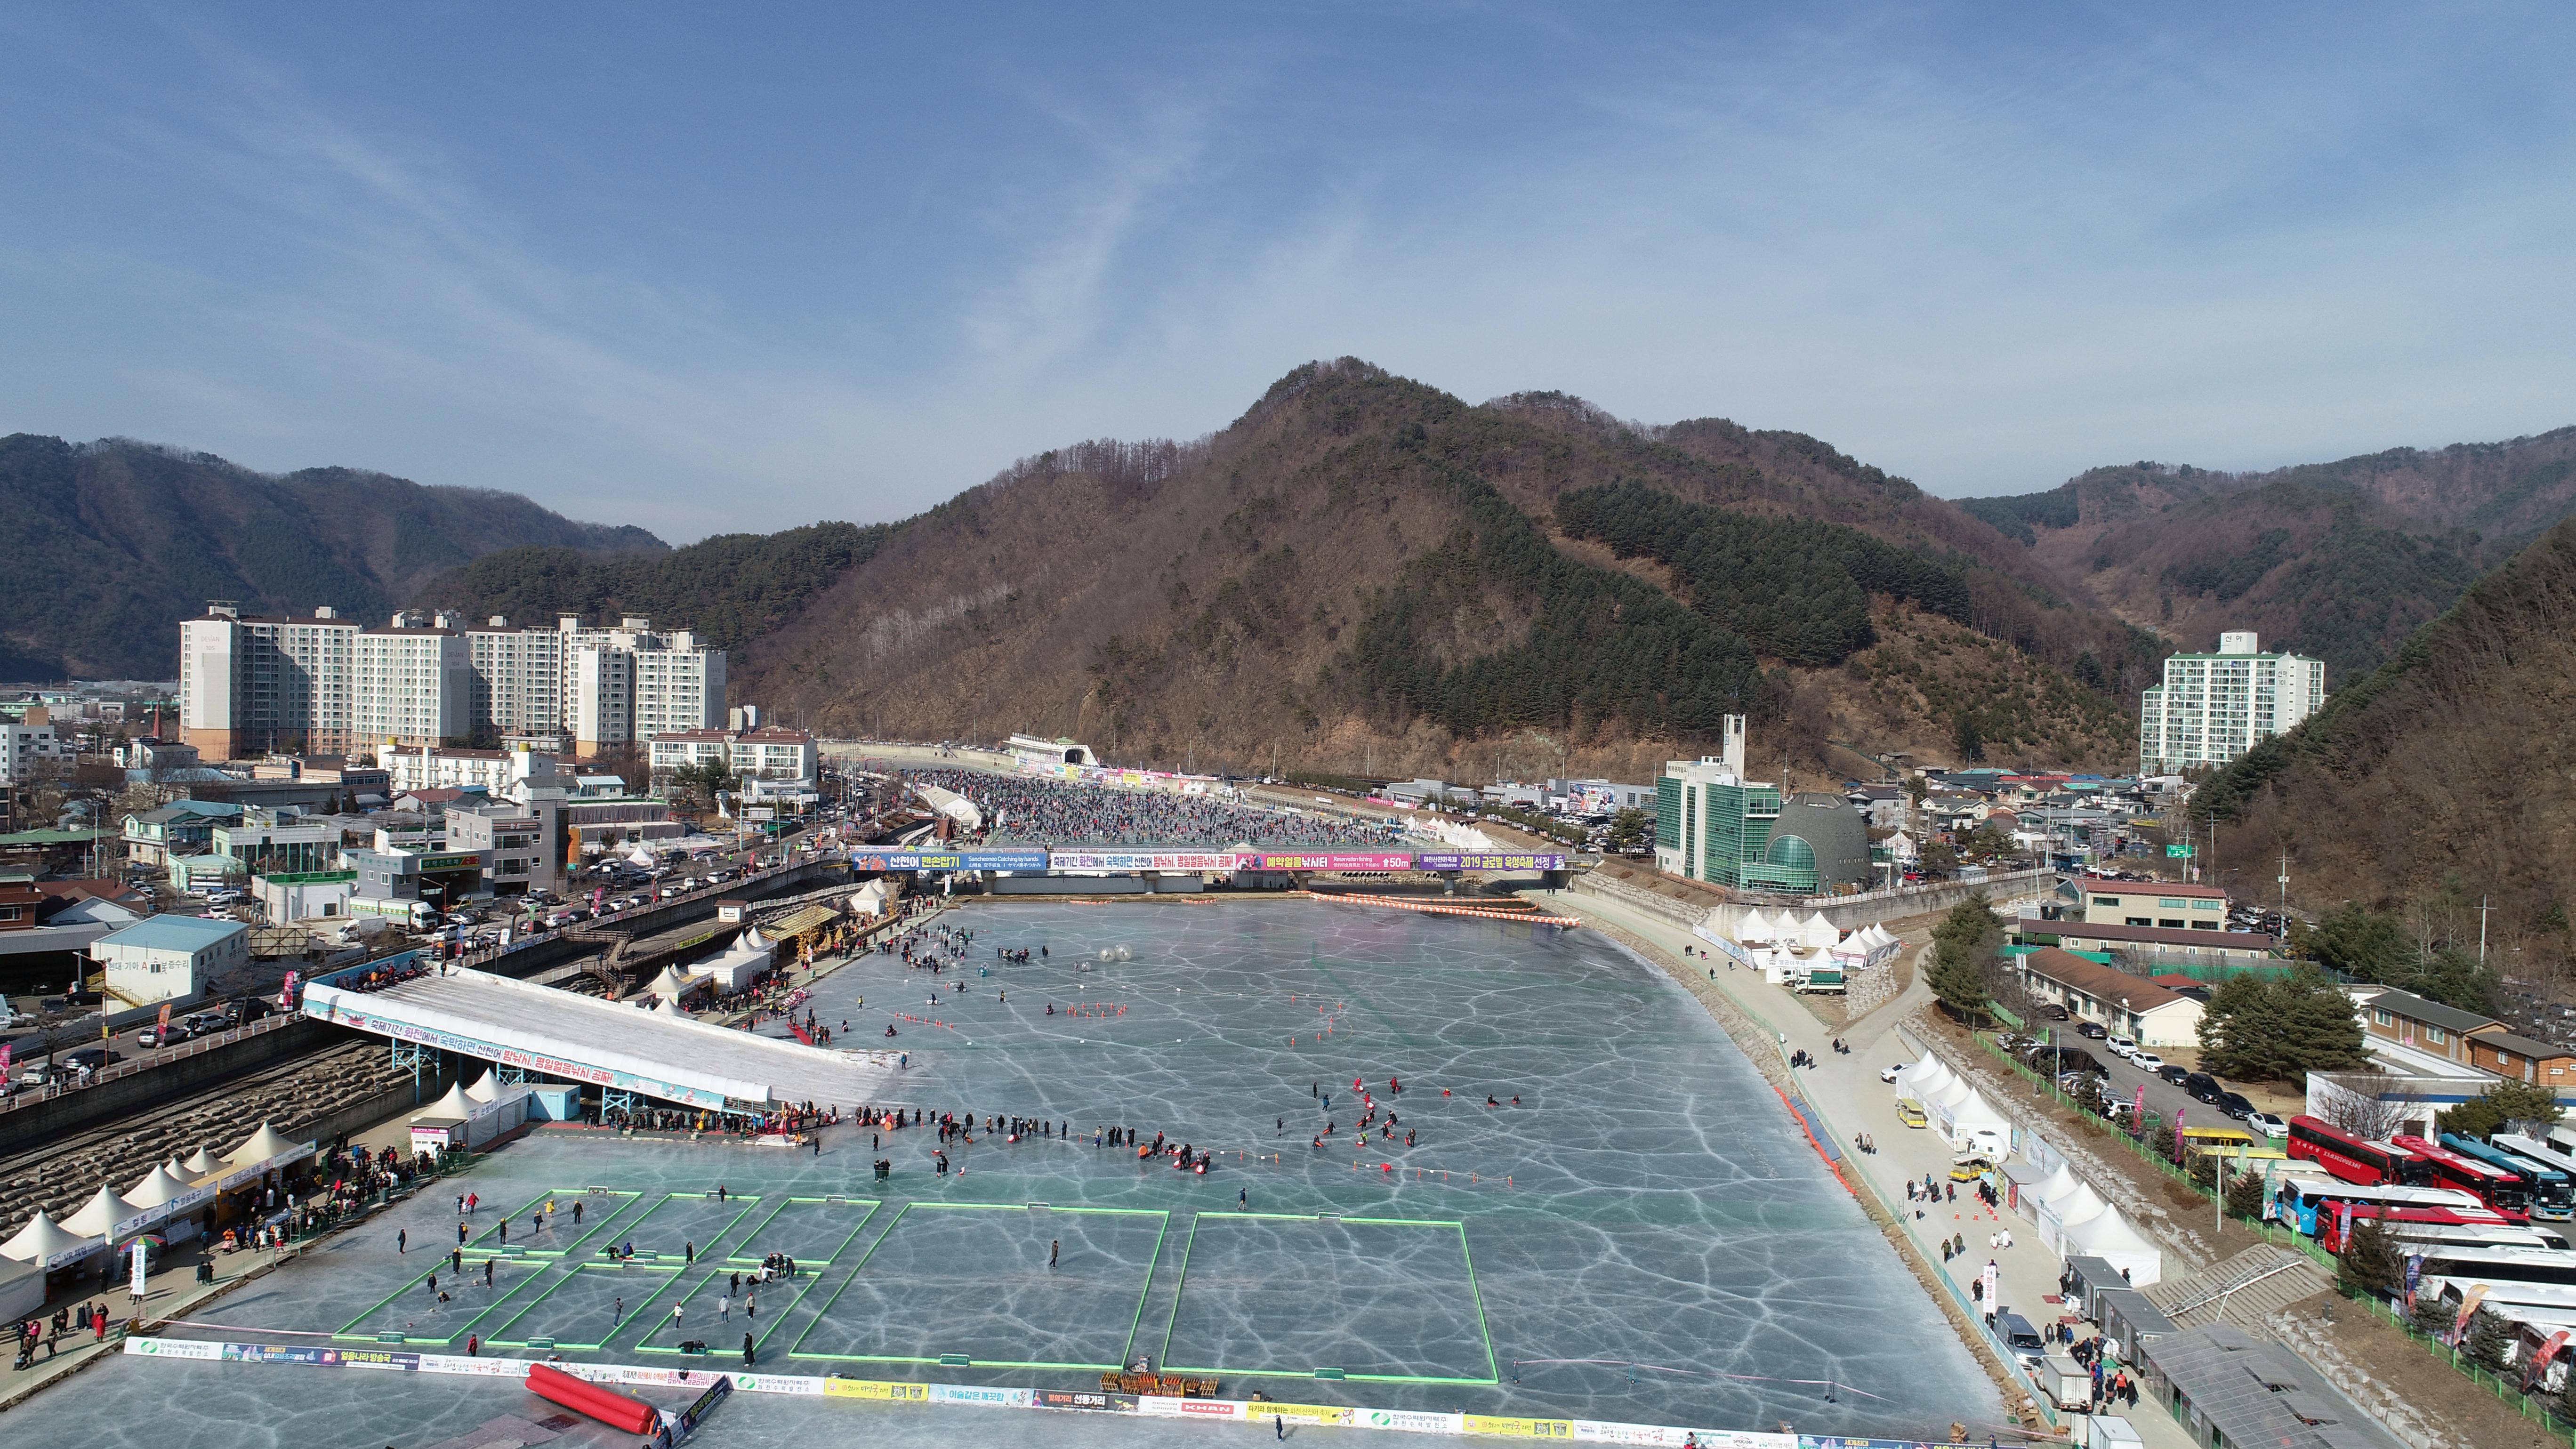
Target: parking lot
{"x":2166,"y":1100}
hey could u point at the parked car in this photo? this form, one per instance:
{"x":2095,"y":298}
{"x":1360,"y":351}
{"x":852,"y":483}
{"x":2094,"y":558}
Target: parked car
{"x":2269,"y":1125}
{"x":2202,"y":1087}
{"x":1889,"y":1074}
{"x":91,"y":1058}
{"x":2174,"y":1074}
{"x":157,"y":1036}
{"x":2235,"y":1105}
{"x":2121,"y":1046}
{"x":2053,"y":1011}
{"x":2092,"y":1030}
{"x":2146,"y":1061}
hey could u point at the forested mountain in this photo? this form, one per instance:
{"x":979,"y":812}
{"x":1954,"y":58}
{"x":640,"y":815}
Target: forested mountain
{"x":105,"y":546}
{"x":733,"y":588}
{"x":2444,"y":777}
{"x":1365,"y":573}
{"x":2339,"y":560}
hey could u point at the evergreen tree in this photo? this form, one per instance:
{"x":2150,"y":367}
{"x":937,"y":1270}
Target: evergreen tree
{"x":2245,"y":1195}
{"x":1964,"y":949}
{"x":2320,"y":1033}
{"x":2489,"y":1340}
{"x":2240,"y":1029}
{"x":2370,"y":1266}
{"x":2486,"y":1114}
{"x":2430,"y":1316}
{"x":1966,"y":738}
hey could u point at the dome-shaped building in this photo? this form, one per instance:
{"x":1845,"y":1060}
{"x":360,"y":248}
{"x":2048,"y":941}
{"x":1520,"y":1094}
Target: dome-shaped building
{"x":1822,"y":838}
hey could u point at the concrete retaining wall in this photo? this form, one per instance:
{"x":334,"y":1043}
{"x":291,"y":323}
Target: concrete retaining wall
{"x":39,"y":1122}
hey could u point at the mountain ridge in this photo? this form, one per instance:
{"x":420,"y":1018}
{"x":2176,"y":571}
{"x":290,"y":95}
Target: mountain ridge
{"x":105,"y":546}
{"x":1361,"y":571}
{"x":2340,"y":560}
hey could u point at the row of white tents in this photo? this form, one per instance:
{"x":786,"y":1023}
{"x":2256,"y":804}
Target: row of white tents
{"x":164,"y":1192}
{"x":2072,"y":1218}
{"x":1868,"y":946}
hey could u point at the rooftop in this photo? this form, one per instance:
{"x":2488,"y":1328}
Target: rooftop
{"x":2432,"y":1013}
{"x":2094,"y":979}
{"x":2095,"y":884}
{"x":2254,"y":1391}
{"x":2540,"y":1051}
{"x":2150,"y":935}
{"x":173,"y":933}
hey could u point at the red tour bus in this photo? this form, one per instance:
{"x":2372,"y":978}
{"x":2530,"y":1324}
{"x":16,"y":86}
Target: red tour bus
{"x":2441,"y":1167}
{"x":2351,"y":1158}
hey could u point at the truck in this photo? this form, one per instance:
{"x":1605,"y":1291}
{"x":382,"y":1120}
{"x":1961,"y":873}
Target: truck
{"x":2068,"y":1384}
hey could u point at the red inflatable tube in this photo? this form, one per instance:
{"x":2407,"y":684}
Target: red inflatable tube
{"x":609,"y":1407}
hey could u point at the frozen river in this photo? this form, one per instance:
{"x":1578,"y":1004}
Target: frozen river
{"x":1645,"y":1237}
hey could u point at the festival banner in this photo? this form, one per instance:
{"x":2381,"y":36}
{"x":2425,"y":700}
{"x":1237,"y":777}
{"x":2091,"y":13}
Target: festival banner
{"x":187,"y":1348}
{"x":1485,"y":860}
{"x":1520,"y":1428}
{"x":2536,"y":1372}
{"x":1148,"y":860}
{"x":1090,"y":1399}
{"x":876,"y":1389}
{"x":1336,"y":1415}
{"x":1339,"y":860}
{"x":880,"y":857}
{"x":988,"y":1396}
{"x":1412,"y":1421}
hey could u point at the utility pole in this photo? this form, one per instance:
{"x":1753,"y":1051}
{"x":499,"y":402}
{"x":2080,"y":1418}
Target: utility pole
{"x":2283,"y":879}
{"x":2482,"y":930}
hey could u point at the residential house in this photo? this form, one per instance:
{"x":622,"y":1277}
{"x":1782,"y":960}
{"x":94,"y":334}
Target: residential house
{"x":2423,"y":1026}
{"x":2169,"y":905}
{"x":2542,"y":1064}
{"x":182,"y":827}
{"x":169,"y":957}
{"x":2125,"y":1005}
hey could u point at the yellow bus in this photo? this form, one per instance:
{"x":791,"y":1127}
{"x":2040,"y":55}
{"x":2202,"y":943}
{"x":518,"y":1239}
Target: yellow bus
{"x":2233,"y":1143}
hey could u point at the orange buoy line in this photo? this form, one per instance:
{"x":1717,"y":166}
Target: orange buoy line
{"x":1395,"y":903}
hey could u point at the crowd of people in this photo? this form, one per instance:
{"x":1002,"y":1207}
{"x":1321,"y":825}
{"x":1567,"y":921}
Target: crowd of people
{"x":1021,"y":811}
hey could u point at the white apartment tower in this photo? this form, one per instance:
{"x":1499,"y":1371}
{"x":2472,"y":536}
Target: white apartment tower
{"x":250,"y":685}
{"x":2211,"y":708}
{"x":414,"y":685}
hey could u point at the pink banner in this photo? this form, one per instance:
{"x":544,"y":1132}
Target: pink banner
{"x":1340,"y":860}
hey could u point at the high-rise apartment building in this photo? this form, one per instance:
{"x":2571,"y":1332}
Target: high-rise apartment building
{"x":250,"y":685}
{"x":2211,"y":708}
{"x":414,"y":686}
{"x":518,"y":677}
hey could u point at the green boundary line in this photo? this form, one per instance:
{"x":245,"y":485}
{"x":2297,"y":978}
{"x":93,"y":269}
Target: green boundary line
{"x":487,"y":1242}
{"x":1483,"y":1329}
{"x":748,"y":1201}
{"x":870,"y":1203}
{"x":537,"y":1268}
{"x":571,"y":1273}
{"x":1152,"y":1262}
{"x":813,"y":1280}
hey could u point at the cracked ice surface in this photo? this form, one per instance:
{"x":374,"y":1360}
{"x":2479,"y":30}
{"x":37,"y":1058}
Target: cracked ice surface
{"x":1647,"y":1237}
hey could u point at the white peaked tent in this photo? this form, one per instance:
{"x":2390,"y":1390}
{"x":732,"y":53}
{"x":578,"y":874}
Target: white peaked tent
{"x":1820,"y":933}
{"x":2057,"y":1184}
{"x":639,"y":856}
{"x":671,"y":985}
{"x":203,"y":1164}
{"x":264,"y":1144}
{"x":99,"y":1216}
{"x":455,"y":1104}
{"x":41,"y":1239}
{"x":1924,"y":1078}
{"x":155,"y":1188}
{"x":2110,"y":1237}
{"x":488,"y":1088}
{"x":1754,"y":930}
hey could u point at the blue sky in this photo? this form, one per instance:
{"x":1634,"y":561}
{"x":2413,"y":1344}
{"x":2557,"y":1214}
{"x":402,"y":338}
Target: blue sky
{"x":715,"y":268}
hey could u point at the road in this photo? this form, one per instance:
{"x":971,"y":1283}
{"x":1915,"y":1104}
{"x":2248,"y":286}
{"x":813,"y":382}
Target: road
{"x":1846,"y":1092}
{"x":33,"y":1045}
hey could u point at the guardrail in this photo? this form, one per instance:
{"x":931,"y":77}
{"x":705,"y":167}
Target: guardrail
{"x":1595,"y":883}
{"x":196,"y":1046}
